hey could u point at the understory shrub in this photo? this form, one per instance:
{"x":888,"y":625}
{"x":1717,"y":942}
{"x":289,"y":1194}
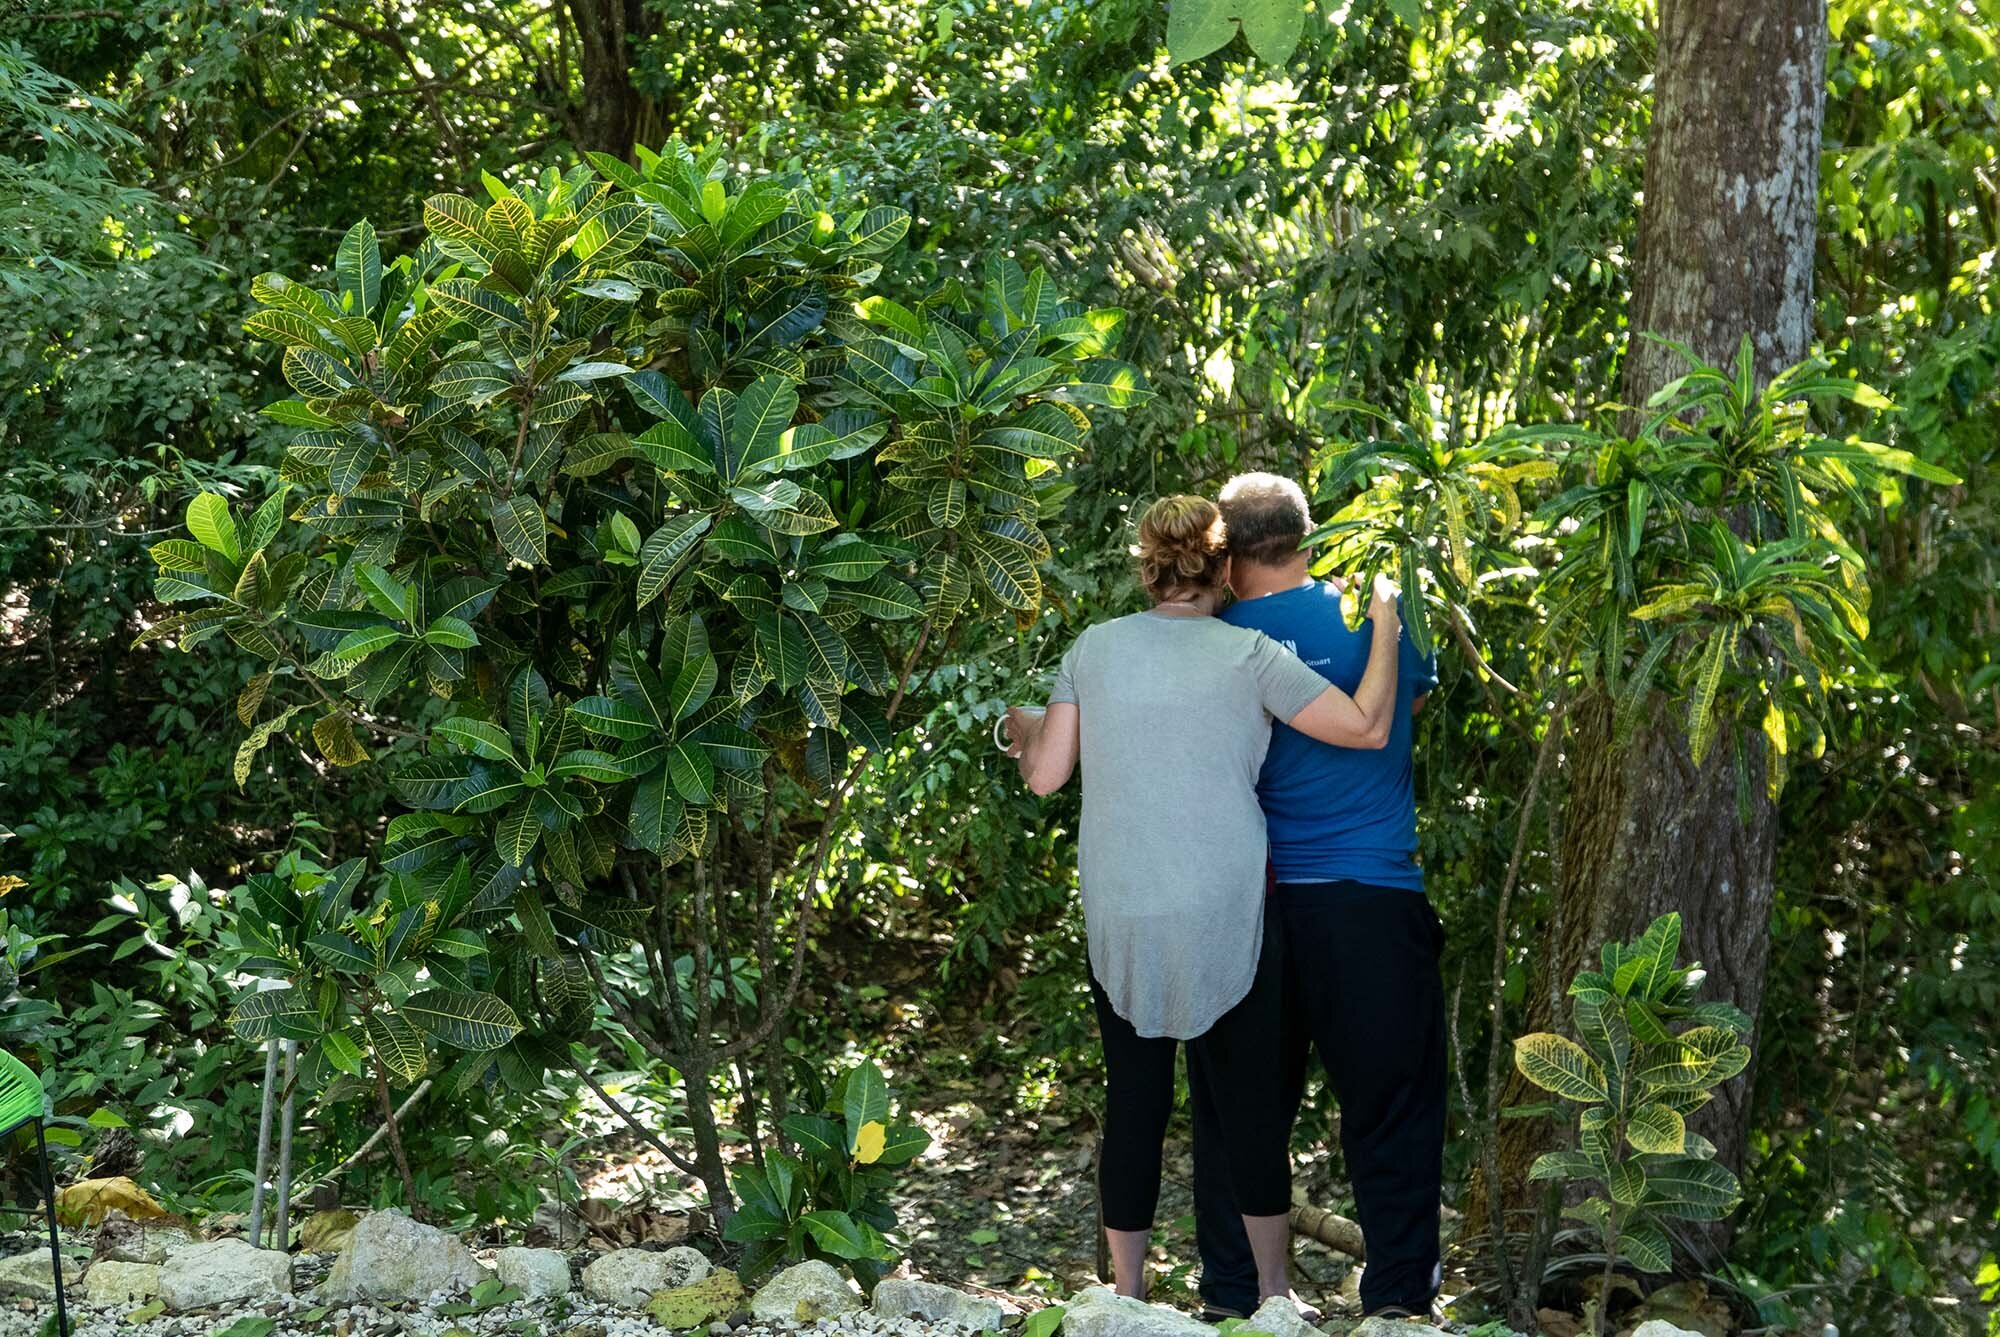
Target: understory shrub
{"x":618,"y":522}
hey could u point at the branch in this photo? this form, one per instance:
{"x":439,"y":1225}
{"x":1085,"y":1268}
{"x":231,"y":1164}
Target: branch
{"x":623,"y":1014}
{"x":686,"y":1167}
{"x":1490,"y":1151}
{"x":1464,"y":639}
{"x":304,"y":1191}
{"x":773,"y":1004}
{"x":1334,"y":1231}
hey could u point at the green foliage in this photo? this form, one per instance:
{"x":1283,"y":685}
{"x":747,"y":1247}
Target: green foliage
{"x":1421,"y":197}
{"x":1649,"y":1056}
{"x":1703,"y":556}
{"x":1196,"y":28}
{"x":391,"y":979}
{"x":614,"y":496}
{"x":26,"y":1022}
{"x":831,"y":1200}
{"x":1718,"y":529}
{"x":1425,"y":496}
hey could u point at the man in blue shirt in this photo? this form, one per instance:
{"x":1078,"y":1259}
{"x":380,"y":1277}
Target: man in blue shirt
{"x":1360,"y":939}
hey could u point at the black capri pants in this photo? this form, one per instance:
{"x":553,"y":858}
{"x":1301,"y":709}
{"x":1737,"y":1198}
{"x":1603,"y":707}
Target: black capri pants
{"x":1239,"y":1060}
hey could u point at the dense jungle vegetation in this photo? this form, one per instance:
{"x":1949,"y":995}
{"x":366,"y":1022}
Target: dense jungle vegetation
{"x":1395,"y":259}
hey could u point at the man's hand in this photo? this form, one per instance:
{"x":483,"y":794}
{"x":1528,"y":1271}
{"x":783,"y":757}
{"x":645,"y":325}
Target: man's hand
{"x":1382,"y":601}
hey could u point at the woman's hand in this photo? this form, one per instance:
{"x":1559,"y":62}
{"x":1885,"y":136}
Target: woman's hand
{"x":1044,"y":744}
{"x":1024,"y":726}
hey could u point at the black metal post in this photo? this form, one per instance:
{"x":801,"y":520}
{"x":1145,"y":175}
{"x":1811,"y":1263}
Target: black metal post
{"x":55,"y":1241}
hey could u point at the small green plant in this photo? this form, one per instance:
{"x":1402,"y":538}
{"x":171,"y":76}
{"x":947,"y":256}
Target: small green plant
{"x":1493,"y":1329}
{"x":1650,"y":1056}
{"x":832,"y":1199}
{"x":556,"y":1161}
{"x":488,"y":1294}
{"x":368,"y":992}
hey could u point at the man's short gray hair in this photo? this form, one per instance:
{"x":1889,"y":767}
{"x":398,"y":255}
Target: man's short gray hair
{"x":1267,"y":517}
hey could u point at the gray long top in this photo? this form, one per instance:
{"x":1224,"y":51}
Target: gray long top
{"x":1174,"y":717}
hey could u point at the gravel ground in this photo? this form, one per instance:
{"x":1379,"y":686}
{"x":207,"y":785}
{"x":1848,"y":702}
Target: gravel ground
{"x":573,"y":1315}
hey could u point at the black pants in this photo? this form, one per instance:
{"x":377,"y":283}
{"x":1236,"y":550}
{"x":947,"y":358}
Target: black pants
{"x":1228,"y":1068}
{"x":1361,"y":985}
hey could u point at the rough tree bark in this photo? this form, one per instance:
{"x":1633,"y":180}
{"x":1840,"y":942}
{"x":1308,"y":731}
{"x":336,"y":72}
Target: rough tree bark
{"x":1726,"y":243}
{"x":613,"y":110}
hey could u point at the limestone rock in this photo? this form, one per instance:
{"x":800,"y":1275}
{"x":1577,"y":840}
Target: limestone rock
{"x":1396,"y":1327}
{"x":112,"y":1282}
{"x":899,"y":1297}
{"x":804,"y":1293}
{"x":711,"y":1300}
{"x":1279,"y":1317}
{"x":29,"y":1275}
{"x":1101,"y":1312}
{"x":538,"y":1274}
{"x":630,"y":1277}
{"x":126,"y":1241}
{"x":390,"y":1257}
{"x":1659,"y":1327}
{"x":225,"y":1271}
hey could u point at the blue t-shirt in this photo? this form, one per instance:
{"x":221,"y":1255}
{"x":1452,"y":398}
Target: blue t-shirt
{"x":1336,"y":813}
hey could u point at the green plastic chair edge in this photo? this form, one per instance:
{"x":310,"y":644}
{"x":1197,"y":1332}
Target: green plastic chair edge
{"x":20,"y":1093}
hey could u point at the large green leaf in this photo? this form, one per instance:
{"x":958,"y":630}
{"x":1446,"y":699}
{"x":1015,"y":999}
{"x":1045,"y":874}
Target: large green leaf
{"x":1557,"y":1063}
{"x":1106,"y":382}
{"x":840,"y":435}
{"x":763,"y":412}
{"x":611,"y":234}
{"x":515,"y":834}
{"x":883,"y":597}
{"x":864,"y":1099}
{"x":1564,"y":1165}
{"x":665,"y":550}
{"x":816,"y":1135}
{"x":1691,"y":1188}
{"x":285,"y":1014}
{"x":210,"y":521}
{"x":341,"y":952}
{"x":522,"y":530}
{"x":841,"y":1235}
{"x":618,"y":719}
{"x":477,"y":306}
{"x":482,"y":738}
{"x":781,"y":649}
{"x":1646,"y":1247}
{"x":671,"y":447}
{"x":902,"y":1143}
{"x":1657,"y":1129}
{"x":397,"y":1045}
{"x":1041,"y":431}
{"x":845,"y":557}
{"x":1626,"y":1182}
{"x":477,"y":1021}
{"x":656,"y":813}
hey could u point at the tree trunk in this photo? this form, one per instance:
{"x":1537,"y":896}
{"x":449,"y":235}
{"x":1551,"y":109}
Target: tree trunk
{"x":1732,"y":186}
{"x":612,"y":109}
{"x":1726,"y":245}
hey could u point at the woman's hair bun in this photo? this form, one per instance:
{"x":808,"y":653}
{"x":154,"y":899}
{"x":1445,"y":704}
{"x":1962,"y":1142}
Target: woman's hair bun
{"x":1180,"y":547}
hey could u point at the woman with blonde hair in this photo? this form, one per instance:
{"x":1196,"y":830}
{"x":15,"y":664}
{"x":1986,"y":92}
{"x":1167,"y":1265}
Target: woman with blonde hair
{"x":1169,"y":713}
